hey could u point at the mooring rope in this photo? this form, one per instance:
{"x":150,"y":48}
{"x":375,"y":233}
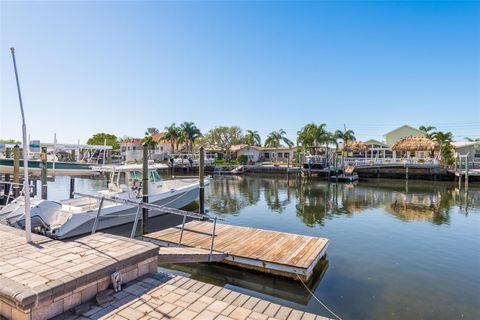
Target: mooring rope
{"x":319,"y":301}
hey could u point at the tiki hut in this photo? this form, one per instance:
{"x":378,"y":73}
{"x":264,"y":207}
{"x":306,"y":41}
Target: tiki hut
{"x":411,"y":144}
{"x":356,"y":147}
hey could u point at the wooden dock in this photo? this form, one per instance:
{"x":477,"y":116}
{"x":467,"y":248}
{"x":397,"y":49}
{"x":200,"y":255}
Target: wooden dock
{"x":167,"y":255}
{"x":272,"y":252}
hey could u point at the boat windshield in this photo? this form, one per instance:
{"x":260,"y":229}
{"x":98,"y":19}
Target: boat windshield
{"x":135,"y":175}
{"x":153,"y":175}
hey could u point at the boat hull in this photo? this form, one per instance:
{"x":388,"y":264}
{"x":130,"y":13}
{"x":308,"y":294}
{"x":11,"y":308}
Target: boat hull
{"x":122,"y":214}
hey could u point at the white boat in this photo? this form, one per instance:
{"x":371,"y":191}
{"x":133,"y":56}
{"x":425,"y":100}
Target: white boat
{"x":73,"y":217}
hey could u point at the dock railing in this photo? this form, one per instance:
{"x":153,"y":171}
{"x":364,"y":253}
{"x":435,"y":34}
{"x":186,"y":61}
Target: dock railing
{"x":151,"y":207}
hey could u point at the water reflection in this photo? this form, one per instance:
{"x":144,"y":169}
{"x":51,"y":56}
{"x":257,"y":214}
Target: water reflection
{"x":317,"y":200}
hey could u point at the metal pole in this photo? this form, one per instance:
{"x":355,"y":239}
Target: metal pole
{"x":466,"y":172}
{"x":28,"y":223}
{"x":95,"y":223}
{"x":213,"y":238}
{"x":181,"y":232}
{"x":145,"y":189}
{"x":135,"y":222}
{"x":201,"y":173}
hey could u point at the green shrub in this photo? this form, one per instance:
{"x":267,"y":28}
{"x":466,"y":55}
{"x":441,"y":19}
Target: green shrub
{"x":242,"y":159}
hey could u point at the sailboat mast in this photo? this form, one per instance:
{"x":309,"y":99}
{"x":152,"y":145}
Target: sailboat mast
{"x":26,"y":185}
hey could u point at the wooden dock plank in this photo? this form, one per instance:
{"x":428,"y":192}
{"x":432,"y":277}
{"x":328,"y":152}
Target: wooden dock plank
{"x":261,"y":249}
{"x":188,"y":255}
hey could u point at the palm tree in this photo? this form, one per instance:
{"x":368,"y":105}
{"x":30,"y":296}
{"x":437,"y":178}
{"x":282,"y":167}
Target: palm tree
{"x":151,"y":144}
{"x":275,"y":139}
{"x":444,"y":140}
{"x":428,"y":130}
{"x":172,"y":133}
{"x":471,"y":139}
{"x":345,"y":136}
{"x":190,"y":133}
{"x":151,"y":131}
{"x":252,"y":138}
{"x":313,"y":136}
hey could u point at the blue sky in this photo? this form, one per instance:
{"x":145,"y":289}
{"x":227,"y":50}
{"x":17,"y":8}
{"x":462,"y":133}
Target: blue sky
{"x":120,"y":67}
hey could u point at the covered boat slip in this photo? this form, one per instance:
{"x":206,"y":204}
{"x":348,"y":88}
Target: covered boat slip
{"x":279,"y":253}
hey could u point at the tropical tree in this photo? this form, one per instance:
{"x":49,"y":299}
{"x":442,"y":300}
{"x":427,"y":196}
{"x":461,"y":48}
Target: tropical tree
{"x":105,"y":138}
{"x":172,"y":134}
{"x":151,"y":143}
{"x":151,"y":131}
{"x":252,"y":138}
{"x":345,"y":136}
{"x":428,"y":130}
{"x":223,"y":138}
{"x":275,"y":139}
{"x":189,"y":133}
{"x":471,"y":139}
{"x":313,"y":136}
{"x":444,"y":140}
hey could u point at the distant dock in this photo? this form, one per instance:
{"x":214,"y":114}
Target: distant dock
{"x":278,"y":253}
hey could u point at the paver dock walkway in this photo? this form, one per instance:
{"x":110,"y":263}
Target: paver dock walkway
{"x":163,"y":296}
{"x":44,"y":278}
{"x":274,"y":252}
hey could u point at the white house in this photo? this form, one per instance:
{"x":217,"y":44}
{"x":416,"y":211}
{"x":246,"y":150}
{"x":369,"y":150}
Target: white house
{"x":131,"y":150}
{"x":472,"y":148}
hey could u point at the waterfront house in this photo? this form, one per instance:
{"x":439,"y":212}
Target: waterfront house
{"x":131,"y":150}
{"x":401,"y":132}
{"x":261,"y":154}
{"x":162,"y":148}
{"x":470,"y":148}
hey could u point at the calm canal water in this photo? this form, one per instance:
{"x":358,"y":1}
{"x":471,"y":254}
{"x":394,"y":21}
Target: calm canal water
{"x":397,"y":250}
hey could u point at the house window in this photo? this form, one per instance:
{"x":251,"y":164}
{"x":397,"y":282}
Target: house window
{"x":134,"y":148}
{"x":124,"y":149}
{"x":267,"y":155}
{"x":128,"y":148}
{"x":161,"y":148}
{"x":280,"y":154}
{"x":285,"y":155}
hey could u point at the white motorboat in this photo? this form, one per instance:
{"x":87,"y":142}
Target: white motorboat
{"x":73,"y":217}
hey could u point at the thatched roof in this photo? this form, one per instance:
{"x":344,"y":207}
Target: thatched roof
{"x":414,"y":144}
{"x":355,"y":146}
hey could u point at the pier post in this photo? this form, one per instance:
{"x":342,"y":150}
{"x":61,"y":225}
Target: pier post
{"x":6,"y":190}
{"x":201,"y":173}
{"x":406,"y":172}
{"x":44,"y":167}
{"x":72,"y":156}
{"x":145,"y":189}
{"x":109,"y":156}
{"x":466,"y":172}
{"x":72,"y":187}
{"x":16,"y":171}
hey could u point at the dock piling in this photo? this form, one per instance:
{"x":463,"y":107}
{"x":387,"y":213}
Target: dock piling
{"x":44,"y":167}
{"x":145,"y":189}
{"x":6,"y":190}
{"x":72,"y":187}
{"x":16,"y":171}
{"x":201,"y":173}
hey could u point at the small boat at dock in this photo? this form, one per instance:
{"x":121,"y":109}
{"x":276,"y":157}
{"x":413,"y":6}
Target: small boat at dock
{"x":76,"y":216}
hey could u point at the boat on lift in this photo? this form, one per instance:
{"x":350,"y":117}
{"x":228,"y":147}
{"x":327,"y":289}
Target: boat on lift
{"x":73,"y":217}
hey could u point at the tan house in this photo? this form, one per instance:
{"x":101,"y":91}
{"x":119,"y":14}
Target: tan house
{"x":400,"y":133}
{"x":256,"y":154}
